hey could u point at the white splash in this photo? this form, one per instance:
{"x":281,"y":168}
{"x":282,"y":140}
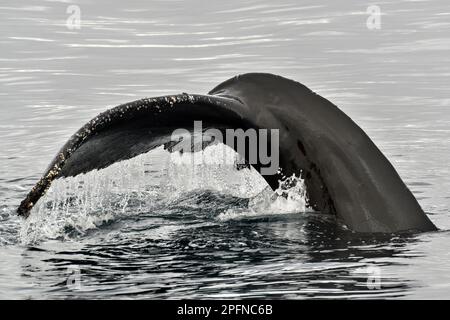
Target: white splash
{"x":86,"y":201}
{"x":290,"y":197}
{"x":151,"y":180}
{"x":213,"y":169}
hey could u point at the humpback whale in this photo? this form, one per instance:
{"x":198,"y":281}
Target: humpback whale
{"x":344,"y":172}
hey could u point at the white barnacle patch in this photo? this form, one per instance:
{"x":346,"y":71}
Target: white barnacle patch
{"x":52,"y":173}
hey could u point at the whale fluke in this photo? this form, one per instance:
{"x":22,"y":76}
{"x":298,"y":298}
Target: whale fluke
{"x":344,"y":172}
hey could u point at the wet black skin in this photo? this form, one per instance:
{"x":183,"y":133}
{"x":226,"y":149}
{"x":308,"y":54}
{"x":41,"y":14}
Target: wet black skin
{"x":345,"y":173}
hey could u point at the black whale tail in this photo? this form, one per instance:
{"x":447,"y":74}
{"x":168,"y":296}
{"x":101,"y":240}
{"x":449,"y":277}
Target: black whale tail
{"x":344,"y":172}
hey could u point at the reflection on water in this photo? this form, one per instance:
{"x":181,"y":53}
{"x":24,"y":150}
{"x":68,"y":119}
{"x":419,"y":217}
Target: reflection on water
{"x":155,"y":255}
{"x":392,"y":81}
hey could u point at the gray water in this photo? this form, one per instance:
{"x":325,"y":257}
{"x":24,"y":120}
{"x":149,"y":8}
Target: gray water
{"x":194,"y":234}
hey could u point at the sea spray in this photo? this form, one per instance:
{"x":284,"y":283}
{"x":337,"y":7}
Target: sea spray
{"x":289,"y":197}
{"x":78,"y":204}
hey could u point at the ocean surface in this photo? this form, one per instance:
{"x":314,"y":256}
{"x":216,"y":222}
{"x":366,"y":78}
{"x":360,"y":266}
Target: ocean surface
{"x":158,"y":227}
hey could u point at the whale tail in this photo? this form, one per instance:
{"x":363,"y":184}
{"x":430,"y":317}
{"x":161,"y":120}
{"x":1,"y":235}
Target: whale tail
{"x":344,"y":172}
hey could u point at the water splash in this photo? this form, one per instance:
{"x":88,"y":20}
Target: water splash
{"x":152,"y":181}
{"x":214,"y":169}
{"x":290,"y":197}
{"x":83,"y":202}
